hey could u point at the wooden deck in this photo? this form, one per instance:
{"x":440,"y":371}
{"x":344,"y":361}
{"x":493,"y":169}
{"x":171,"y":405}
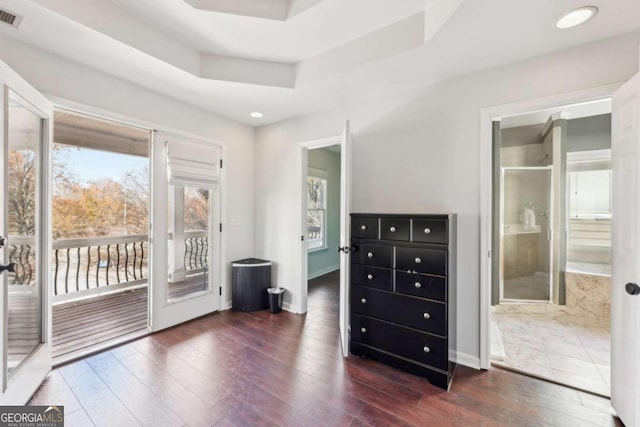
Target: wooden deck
{"x":88,"y":325}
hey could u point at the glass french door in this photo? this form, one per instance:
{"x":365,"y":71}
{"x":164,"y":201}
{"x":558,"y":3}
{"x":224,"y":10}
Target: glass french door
{"x":186,"y":217}
{"x":25,"y":309}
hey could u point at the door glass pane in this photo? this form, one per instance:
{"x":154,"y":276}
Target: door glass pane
{"x":526,"y":260}
{"x":23,"y":188}
{"x":189,"y":241}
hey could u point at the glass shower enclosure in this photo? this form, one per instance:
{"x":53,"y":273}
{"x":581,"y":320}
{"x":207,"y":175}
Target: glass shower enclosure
{"x":526,"y":234}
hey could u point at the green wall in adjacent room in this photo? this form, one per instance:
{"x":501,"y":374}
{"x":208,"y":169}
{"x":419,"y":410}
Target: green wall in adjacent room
{"x":326,"y":260}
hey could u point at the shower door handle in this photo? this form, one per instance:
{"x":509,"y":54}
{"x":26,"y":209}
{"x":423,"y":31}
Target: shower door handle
{"x":632,"y":288}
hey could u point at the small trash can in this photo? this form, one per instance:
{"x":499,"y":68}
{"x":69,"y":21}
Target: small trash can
{"x":275,"y":299}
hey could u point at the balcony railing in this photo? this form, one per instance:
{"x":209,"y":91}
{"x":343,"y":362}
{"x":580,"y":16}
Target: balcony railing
{"x":22,"y":253}
{"x":86,"y":266}
{"x":196,"y":251}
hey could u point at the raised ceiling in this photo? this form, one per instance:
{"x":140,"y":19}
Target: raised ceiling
{"x":292,"y":57}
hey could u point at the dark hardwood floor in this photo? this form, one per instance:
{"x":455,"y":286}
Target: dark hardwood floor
{"x":255,"y":369}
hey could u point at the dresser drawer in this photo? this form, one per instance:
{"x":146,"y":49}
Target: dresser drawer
{"x":364,"y":227}
{"x":420,"y":285}
{"x":417,"y":313}
{"x":429,"y":231}
{"x":399,"y":340}
{"x":433,"y":261}
{"x":394,"y":229}
{"x":372,"y":254}
{"x":372,"y":276}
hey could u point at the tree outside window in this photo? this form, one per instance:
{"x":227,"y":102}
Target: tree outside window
{"x":317,"y":212}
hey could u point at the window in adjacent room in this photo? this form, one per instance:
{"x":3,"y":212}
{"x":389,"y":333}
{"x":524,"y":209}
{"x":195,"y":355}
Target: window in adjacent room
{"x":589,"y":180}
{"x":317,"y":209}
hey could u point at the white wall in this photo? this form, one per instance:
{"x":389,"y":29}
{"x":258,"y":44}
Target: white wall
{"x":77,"y":83}
{"x":419,"y":152}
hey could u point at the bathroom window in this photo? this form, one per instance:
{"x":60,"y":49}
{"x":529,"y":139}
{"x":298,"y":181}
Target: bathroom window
{"x":589,"y":185}
{"x":316,"y":210}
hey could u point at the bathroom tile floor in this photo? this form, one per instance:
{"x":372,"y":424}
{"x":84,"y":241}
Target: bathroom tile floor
{"x":564,"y":348}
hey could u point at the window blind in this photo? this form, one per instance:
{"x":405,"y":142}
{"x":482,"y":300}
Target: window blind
{"x":192,"y":161}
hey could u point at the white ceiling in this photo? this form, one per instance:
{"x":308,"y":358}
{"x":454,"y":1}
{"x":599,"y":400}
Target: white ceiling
{"x":296,"y":57}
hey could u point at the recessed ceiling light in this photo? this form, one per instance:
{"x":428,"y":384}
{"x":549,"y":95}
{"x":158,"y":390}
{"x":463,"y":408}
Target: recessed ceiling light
{"x":257,"y":115}
{"x":576,"y":17}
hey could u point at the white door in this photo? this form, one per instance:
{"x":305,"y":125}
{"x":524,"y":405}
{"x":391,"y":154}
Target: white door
{"x":345,"y":237}
{"x":186,"y":230}
{"x":25,"y":223}
{"x":625,"y":277}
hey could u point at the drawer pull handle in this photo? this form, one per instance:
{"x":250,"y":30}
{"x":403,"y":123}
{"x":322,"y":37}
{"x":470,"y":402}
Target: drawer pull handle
{"x":363,"y":300}
{"x":370,"y":254}
{"x":370,"y":276}
{"x":426,"y":349}
{"x":427,"y":230}
{"x":363,"y":330}
{"x":392,"y":229}
{"x":418,"y":260}
{"x":418,"y":285}
{"x":426,"y":315}
{"x":363,"y":227}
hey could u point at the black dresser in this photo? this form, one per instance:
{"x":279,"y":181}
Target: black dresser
{"x":403,"y":287}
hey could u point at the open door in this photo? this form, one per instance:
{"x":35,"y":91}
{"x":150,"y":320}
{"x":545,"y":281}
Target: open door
{"x":186,"y":227}
{"x":25,"y":306}
{"x":345,"y":237}
{"x":625,"y":277}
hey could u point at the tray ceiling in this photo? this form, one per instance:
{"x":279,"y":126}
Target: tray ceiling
{"x":292,"y":57}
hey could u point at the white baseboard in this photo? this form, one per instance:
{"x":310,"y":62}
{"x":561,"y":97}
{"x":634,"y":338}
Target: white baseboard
{"x":226,"y":305}
{"x":287,"y":306}
{"x":467,"y":360}
{"x":323,"y":272}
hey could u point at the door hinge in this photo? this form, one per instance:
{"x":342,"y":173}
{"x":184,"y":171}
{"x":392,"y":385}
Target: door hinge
{"x":220,"y":163}
{"x":221,"y":227}
{"x":220,"y":290}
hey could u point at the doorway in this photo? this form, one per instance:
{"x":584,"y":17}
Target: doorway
{"x":344,"y":142}
{"x":323,"y":229}
{"x":100,"y":227}
{"x":551,"y":316}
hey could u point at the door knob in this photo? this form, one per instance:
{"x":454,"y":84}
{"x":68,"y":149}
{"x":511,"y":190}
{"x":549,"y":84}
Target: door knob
{"x":344,"y":249}
{"x":11,"y":267}
{"x":632,"y":288}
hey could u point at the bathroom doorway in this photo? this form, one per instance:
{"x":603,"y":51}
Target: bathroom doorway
{"x":551,"y":284}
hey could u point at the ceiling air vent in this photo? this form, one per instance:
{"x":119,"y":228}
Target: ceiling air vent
{"x":10,"y":18}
